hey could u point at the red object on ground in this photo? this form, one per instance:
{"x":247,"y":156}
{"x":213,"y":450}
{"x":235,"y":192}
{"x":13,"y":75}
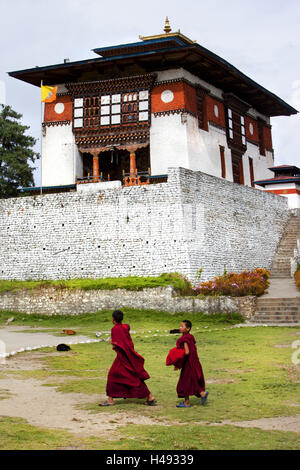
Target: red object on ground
{"x":175,"y":357}
{"x":127,"y":374}
{"x":191,"y":380}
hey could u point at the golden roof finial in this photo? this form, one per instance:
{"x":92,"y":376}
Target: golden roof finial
{"x":167,"y":28}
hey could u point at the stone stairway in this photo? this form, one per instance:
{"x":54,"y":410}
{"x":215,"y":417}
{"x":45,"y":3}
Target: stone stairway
{"x":277,"y":311}
{"x":281,"y":267}
{"x":281,"y":304}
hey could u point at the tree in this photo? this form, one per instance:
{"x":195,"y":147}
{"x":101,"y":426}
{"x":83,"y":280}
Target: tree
{"x":15,"y":154}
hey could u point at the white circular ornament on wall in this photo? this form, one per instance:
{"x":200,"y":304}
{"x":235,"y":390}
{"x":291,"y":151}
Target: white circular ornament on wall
{"x":167,"y":96}
{"x":251,"y":128}
{"x":59,"y":108}
{"x":216,"y":110}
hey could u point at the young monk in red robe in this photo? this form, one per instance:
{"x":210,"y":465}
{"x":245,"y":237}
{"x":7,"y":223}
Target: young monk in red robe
{"x":191,"y":380}
{"x":126,"y":377}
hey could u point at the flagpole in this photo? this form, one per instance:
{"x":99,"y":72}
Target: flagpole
{"x":41,"y":189}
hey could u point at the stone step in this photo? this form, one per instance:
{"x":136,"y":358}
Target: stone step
{"x":278,"y":312}
{"x":291,"y":234}
{"x":281,"y":266}
{"x":276,"y":274}
{"x":275,"y":318}
{"x":276,"y":322}
{"x":285,"y":248}
{"x":294,"y":303}
{"x":264,"y":316}
{"x":279,"y":276}
{"x":285,"y":265}
{"x":278,"y":301}
{"x":281,"y":270}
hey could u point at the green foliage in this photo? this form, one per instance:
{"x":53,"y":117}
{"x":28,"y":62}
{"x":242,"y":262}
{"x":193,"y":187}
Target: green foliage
{"x":88,"y":323}
{"x":134,"y":283}
{"x":17,"y":434}
{"x":199,"y":274}
{"x":247,"y":376}
{"x":15,"y":154}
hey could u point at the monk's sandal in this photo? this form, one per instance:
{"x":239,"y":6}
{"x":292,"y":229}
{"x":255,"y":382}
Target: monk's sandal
{"x":150,"y":403}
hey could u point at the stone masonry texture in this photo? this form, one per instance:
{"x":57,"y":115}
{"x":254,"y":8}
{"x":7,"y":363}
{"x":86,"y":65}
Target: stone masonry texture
{"x":51,"y":301}
{"x":193,"y":221}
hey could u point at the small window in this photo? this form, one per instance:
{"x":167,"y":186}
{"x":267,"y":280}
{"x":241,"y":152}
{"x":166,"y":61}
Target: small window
{"x":223,"y":166}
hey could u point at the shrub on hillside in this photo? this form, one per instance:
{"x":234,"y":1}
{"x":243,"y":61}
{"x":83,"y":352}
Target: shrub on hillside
{"x":236,"y":285}
{"x":297,"y":278}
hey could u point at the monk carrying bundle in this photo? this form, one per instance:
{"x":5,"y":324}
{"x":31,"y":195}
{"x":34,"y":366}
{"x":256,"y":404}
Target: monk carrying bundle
{"x":185,"y":357}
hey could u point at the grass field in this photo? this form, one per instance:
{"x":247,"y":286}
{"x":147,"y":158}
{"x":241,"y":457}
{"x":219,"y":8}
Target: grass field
{"x":249,"y":375}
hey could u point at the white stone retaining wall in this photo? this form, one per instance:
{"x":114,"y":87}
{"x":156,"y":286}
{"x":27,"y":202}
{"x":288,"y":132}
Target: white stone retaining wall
{"x":193,"y":221}
{"x":53,"y":301}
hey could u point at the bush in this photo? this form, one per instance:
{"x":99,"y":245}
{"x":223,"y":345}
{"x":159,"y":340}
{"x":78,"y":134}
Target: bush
{"x":236,"y":285}
{"x":297,"y":278}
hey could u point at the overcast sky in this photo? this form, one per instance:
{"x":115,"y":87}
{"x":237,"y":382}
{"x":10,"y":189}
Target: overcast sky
{"x":261,"y":38}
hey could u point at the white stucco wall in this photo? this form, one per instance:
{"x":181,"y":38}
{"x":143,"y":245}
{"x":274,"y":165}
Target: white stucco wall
{"x":173,"y":74}
{"x":168,"y":144}
{"x":177,"y":141}
{"x":204,"y":149}
{"x":293,"y":199}
{"x":61,"y":159}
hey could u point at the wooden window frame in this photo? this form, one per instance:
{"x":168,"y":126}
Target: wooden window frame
{"x":251,"y":171}
{"x":223,"y":163}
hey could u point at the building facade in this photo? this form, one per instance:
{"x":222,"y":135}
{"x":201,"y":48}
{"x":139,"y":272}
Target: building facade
{"x":141,"y":108}
{"x":286,"y":182}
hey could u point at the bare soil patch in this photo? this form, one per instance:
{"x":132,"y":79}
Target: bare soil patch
{"x":45,"y":407}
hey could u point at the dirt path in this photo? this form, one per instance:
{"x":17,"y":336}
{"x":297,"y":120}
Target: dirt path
{"x":283,"y":423}
{"x":45,"y":407}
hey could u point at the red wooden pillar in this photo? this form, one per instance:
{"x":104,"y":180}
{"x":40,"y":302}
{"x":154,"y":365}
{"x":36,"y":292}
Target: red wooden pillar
{"x":131,"y":180}
{"x":132,"y":170}
{"x":95,"y":167}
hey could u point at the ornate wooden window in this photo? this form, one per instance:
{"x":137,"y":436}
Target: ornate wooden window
{"x":201,"y":108}
{"x":112,"y":112}
{"x":262,"y":146}
{"x":236,"y":132}
{"x":115,"y":109}
{"x":222,"y":156}
{"x":237,"y":167}
{"x":78,"y":113}
{"x":236,"y":128}
{"x":251,"y":169}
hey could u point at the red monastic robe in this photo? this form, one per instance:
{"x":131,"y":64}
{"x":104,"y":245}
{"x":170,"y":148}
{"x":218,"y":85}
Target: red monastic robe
{"x":175,"y":357}
{"x":127,"y":374}
{"x":191,"y":380}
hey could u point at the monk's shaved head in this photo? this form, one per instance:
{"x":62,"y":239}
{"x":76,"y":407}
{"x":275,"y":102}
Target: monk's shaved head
{"x":117,"y":316}
{"x":188,"y":324}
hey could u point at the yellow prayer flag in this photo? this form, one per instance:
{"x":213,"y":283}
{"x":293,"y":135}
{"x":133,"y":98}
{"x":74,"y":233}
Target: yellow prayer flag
{"x":48,"y":93}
